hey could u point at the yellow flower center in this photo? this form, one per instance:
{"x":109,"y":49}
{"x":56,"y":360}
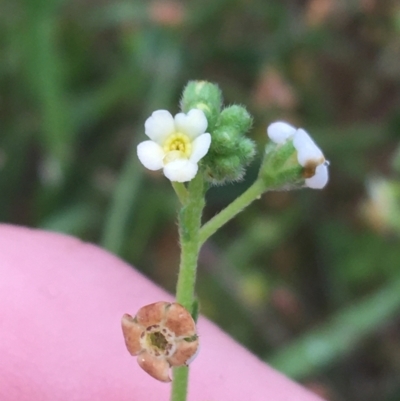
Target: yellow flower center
{"x":178,"y":142}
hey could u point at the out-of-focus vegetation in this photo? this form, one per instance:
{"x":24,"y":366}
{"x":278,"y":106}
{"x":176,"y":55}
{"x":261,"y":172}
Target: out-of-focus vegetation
{"x":308,"y":280}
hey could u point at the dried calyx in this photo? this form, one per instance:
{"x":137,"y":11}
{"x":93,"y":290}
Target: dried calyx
{"x":161,"y":335}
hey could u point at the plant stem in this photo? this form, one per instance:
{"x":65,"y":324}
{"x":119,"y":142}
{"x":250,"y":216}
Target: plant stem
{"x":192,"y":237}
{"x":252,"y":193}
{"x":180,"y":383}
{"x":189,"y":228}
{"x":181,"y":191}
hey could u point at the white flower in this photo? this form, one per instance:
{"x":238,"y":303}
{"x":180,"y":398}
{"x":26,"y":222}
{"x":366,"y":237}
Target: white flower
{"x":309,"y":155}
{"x":176,"y":145}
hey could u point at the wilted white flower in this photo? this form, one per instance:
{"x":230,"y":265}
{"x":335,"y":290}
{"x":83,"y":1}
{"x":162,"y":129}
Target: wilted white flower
{"x":309,"y":155}
{"x":176,"y":145}
{"x":161,"y":335}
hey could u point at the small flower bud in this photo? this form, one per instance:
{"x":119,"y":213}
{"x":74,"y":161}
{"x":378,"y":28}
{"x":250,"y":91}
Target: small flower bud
{"x":224,"y":140}
{"x":233,"y":123}
{"x":246,"y":150}
{"x":204,"y":96}
{"x":224,"y":169}
{"x":230,"y":150}
{"x":236,"y":117}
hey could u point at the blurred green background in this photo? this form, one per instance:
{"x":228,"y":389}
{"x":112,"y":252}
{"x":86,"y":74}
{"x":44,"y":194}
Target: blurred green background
{"x":308,"y":280}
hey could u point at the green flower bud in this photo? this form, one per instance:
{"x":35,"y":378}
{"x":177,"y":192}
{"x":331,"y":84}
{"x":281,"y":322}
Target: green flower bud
{"x":230,"y":151}
{"x":224,"y":140}
{"x":246,"y":150}
{"x":236,"y":117}
{"x":224,"y":169}
{"x":205,"y":96}
{"x":233,"y":123}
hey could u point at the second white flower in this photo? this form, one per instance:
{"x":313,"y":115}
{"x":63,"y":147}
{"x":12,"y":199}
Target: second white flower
{"x":309,"y":155}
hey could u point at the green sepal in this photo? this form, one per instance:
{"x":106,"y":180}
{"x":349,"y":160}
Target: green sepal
{"x":280,"y":168}
{"x":192,"y":338}
{"x":277,"y":156}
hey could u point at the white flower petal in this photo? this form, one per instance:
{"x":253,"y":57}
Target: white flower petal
{"x":200,"y":147}
{"x":151,"y":155}
{"x":279,"y":132}
{"x":320,"y":179}
{"x":159,"y":126}
{"x":192,"y":124}
{"x":180,"y":170}
{"x":307,"y":150}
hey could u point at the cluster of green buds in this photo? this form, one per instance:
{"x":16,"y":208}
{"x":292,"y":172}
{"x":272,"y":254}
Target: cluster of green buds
{"x":230,"y":151}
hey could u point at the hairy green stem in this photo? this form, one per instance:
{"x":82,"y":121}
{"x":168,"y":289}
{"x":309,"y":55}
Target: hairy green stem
{"x":252,"y":193}
{"x":189,"y":227}
{"x":192,"y":237}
